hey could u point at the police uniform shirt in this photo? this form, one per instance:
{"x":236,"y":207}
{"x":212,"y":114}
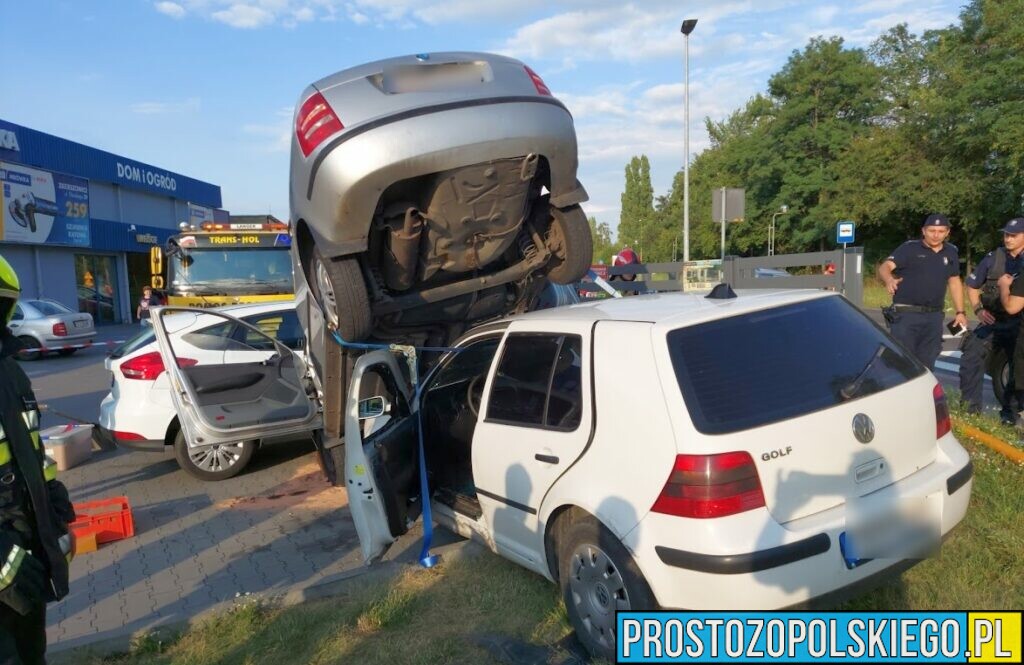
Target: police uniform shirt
{"x":977,"y":279}
{"x":1017,"y":288}
{"x":925,"y":273}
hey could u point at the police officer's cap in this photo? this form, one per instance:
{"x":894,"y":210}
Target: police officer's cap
{"x":936,"y":219}
{"x":1015,"y":225}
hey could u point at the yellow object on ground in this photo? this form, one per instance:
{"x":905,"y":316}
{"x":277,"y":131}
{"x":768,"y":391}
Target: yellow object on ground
{"x":1014,"y":453}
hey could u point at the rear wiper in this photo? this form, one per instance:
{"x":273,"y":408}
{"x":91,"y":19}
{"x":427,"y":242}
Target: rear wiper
{"x":851,"y":389}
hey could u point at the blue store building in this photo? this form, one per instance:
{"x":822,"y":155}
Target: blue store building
{"x":77,"y":223}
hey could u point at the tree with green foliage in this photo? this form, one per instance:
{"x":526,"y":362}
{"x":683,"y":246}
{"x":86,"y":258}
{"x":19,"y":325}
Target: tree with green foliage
{"x":603,"y":246}
{"x":637,"y":209}
{"x":883,"y":136}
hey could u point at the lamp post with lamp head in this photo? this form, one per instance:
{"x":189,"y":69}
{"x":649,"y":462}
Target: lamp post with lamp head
{"x":687,"y":27}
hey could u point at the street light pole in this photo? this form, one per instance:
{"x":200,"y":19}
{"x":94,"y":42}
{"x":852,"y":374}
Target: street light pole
{"x":771,"y":230}
{"x":687,"y":27}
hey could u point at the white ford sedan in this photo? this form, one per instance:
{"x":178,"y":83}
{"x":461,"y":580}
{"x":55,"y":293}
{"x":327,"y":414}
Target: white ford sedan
{"x":754,"y":452}
{"x":139,"y":414}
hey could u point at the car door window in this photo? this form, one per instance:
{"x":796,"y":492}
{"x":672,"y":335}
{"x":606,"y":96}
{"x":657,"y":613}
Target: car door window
{"x":538,"y":383}
{"x":282,"y":326}
{"x":565,"y":400}
{"x":18,"y":314}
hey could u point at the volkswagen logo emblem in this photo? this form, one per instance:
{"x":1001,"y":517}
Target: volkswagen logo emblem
{"x":863,"y":428}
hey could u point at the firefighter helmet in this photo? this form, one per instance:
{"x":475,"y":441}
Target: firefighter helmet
{"x":10,"y":290}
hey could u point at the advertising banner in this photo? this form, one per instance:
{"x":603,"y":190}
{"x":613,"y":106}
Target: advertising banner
{"x":40,"y":207}
{"x":199,"y":214}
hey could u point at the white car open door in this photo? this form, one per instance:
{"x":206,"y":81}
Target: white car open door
{"x":381,"y":452}
{"x":235,"y":390}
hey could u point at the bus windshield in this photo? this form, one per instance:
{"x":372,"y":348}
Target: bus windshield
{"x":231,"y":271}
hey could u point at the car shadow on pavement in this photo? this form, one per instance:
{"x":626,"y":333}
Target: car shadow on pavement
{"x":278,"y":452}
{"x":100,"y":487}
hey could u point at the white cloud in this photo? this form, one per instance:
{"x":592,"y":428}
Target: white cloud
{"x":172,"y":9}
{"x":157,"y":108}
{"x":275,"y":136}
{"x":244,"y":16}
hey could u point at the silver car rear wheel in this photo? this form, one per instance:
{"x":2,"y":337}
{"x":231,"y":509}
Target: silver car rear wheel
{"x":341,"y":292}
{"x":571,"y":244}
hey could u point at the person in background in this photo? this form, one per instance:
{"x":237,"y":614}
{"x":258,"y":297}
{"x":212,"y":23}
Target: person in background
{"x":996,"y":328}
{"x":36,"y":544}
{"x":917,"y":275}
{"x":145,"y":302}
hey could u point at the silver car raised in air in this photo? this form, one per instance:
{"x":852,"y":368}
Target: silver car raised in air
{"x":428,"y":193}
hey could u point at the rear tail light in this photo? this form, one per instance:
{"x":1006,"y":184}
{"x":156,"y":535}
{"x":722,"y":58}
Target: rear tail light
{"x":942,"y":423}
{"x":60,"y":330}
{"x":315,"y":122}
{"x":150,"y":365}
{"x":704,"y":486}
{"x":538,"y":82}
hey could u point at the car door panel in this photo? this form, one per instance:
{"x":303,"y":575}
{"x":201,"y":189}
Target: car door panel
{"x":515,"y":464}
{"x":219,"y":401}
{"x":381,"y":466}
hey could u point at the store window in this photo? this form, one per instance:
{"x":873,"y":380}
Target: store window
{"x":96,"y":277}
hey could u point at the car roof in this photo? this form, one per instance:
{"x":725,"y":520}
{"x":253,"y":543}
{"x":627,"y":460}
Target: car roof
{"x":676,"y":309}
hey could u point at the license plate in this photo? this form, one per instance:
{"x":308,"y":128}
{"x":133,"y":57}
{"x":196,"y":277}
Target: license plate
{"x":81,"y":324}
{"x":849,"y":552}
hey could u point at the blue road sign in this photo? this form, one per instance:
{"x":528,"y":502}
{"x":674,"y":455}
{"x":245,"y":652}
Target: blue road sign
{"x":845,"y":232}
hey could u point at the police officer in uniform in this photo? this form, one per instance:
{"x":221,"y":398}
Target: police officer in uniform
{"x":996,"y":328}
{"x":916,"y":276}
{"x":35,"y":544}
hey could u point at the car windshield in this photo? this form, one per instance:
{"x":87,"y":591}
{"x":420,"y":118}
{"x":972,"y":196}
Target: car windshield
{"x":232,"y":271}
{"x":763,"y":367}
{"x":50,"y":308}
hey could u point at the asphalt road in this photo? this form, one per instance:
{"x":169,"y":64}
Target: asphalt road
{"x":75,"y":385}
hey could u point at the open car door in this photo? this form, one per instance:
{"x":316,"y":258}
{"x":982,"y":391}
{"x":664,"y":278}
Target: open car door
{"x":381,"y":452}
{"x":227,"y":386}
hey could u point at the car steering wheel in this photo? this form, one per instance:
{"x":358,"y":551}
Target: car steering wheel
{"x":473,"y":395}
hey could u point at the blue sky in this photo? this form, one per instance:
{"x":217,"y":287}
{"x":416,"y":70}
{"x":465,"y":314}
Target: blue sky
{"x":206,"y":87}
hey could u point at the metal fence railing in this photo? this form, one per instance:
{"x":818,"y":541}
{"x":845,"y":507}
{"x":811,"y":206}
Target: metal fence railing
{"x":781,"y":271}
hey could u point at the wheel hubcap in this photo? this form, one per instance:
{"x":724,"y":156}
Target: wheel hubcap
{"x":323,"y":282}
{"x":597,"y":591}
{"x":216,"y":457}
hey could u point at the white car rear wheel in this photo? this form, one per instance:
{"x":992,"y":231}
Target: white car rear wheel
{"x":213,"y":462}
{"x":598,"y":578}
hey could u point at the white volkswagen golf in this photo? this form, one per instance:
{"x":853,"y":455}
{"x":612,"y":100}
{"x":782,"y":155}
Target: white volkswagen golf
{"x":754,"y":452}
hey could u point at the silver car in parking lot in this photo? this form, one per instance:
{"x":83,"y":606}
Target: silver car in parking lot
{"x":428,"y":193}
{"x":51,"y":325}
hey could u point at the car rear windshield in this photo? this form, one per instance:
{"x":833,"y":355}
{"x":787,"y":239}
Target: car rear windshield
{"x":50,"y":308}
{"x":140,"y":339}
{"x":750,"y":370}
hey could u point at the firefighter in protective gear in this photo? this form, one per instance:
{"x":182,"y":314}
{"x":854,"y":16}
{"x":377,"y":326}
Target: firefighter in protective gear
{"x":35,"y":543}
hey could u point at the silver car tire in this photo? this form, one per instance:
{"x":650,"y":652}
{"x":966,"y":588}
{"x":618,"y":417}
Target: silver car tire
{"x":598,"y":577}
{"x":570,"y":241}
{"x":27,"y":353}
{"x":215,"y":462}
{"x":339,"y":288}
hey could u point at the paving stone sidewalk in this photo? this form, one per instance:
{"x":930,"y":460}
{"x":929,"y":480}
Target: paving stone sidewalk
{"x":277,"y":528}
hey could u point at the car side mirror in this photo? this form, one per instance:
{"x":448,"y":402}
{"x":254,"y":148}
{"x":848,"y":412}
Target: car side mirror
{"x":373,"y":407}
